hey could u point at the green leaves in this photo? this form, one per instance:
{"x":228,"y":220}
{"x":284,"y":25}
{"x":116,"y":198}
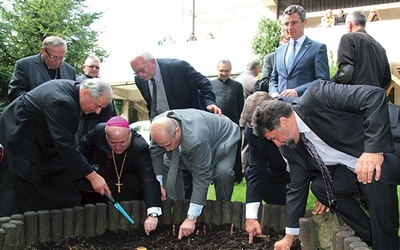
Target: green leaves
{"x":266,"y":39}
{"x":25,"y":23}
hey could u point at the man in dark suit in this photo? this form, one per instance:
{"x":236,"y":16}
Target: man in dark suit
{"x":42,"y":165}
{"x":31,"y":71}
{"x":266,"y":175}
{"x":179,"y":85}
{"x":293,"y":72}
{"x":350,"y":129}
{"x":205,"y":145}
{"x":124,"y":162}
{"x":361,"y":59}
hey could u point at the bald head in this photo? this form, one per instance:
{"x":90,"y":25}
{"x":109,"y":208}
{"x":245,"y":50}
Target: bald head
{"x":118,"y":135}
{"x":166,"y":133}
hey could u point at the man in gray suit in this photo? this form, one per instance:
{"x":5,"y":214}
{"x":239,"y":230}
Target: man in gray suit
{"x":293,"y":72}
{"x":205,"y":145}
{"x":30,"y":72}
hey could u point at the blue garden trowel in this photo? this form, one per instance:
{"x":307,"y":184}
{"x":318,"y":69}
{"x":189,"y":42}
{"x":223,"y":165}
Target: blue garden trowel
{"x":119,"y":207}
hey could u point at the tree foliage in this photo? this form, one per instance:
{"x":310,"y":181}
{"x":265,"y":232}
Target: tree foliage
{"x":266,"y":39}
{"x":25,"y":23}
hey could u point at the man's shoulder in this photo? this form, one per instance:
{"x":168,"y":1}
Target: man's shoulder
{"x":29,"y":59}
{"x":81,"y":78}
{"x":170,"y":61}
{"x":68,"y":67}
{"x":237,"y":83}
{"x":313,"y":42}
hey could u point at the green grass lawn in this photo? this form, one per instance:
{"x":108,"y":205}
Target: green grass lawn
{"x":239,"y":194}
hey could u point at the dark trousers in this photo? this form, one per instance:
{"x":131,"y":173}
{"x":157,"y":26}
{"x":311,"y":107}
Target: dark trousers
{"x":381,"y":227}
{"x":382,"y":204}
{"x":348,"y":208}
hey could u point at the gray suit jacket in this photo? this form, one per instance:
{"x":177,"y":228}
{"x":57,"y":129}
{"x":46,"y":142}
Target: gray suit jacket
{"x":206,"y":138}
{"x":30,"y":72}
{"x":310,"y":63}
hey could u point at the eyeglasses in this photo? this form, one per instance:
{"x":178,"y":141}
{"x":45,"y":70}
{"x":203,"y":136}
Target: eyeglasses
{"x":139,"y":72}
{"x":92,"y":66}
{"x":58,"y":58}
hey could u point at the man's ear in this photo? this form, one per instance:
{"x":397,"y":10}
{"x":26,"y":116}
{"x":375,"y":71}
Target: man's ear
{"x":284,"y":123}
{"x":86,"y":93}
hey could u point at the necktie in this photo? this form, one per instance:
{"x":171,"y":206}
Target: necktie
{"x":172,"y":175}
{"x":291,"y":56}
{"x":330,"y":190}
{"x":153,"y":111}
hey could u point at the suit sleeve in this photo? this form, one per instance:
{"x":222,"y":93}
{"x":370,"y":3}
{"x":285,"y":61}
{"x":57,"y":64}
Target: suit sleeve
{"x":321,"y":67}
{"x":273,"y":83}
{"x":18,"y":84}
{"x":268,"y":65}
{"x":60,"y":121}
{"x":201,"y":157}
{"x":144,"y":166}
{"x":346,"y":57}
{"x":299,"y":185}
{"x":201,"y":83}
{"x":297,"y":195}
{"x":264,"y":158}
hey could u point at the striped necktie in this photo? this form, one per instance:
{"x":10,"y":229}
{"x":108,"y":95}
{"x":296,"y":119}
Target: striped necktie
{"x":330,"y":190}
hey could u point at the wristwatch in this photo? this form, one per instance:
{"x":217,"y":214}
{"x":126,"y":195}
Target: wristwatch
{"x":153,"y":215}
{"x":192,"y":217}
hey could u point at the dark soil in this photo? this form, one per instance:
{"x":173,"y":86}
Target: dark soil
{"x":205,"y":237}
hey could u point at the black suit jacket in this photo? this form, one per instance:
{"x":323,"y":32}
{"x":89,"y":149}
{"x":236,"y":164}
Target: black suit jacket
{"x":352,"y":119}
{"x":362,"y":60}
{"x":265,"y":165}
{"x":184,"y":86}
{"x":30,"y":72}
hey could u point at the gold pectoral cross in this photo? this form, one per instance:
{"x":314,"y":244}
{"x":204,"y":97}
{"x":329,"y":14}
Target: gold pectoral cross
{"x":119,"y":184}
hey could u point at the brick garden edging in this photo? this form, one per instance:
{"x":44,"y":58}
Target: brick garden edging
{"x":21,"y":230}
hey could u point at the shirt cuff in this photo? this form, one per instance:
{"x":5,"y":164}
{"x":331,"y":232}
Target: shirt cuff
{"x":292,"y":231}
{"x":159,"y":179}
{"x":252,"y":210}
{"x":156,"y":210}
{"x":195,"y":209}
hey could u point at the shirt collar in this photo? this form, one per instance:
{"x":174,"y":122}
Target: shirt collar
{"x":303,"y":128}
{"x":300,"y":41}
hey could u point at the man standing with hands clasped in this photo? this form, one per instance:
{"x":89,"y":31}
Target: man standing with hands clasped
{"x":298,"y":62}
{"x":333,"y":136}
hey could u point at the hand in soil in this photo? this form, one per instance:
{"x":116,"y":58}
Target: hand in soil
{"x":253,"y":228}
{"x":285,"y":243}
{"x":150,"y":224}
{"x":186,"y":228}
{"x":209,"y":237}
